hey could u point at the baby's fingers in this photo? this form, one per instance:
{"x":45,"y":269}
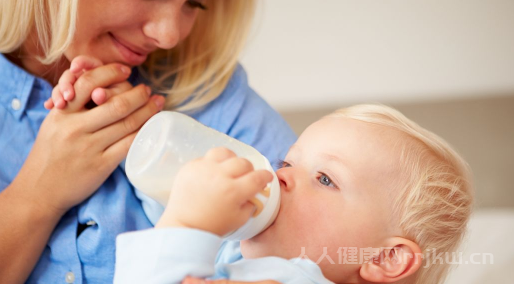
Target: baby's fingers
{"x":83,"y":63}
{"x":99,"y":96}
{"x":78,"y":66}
{"x":66,"y":85}
{"x":219,"y":154}
{"x":252,"y":183}
{"x":236,"y":167}
{"x":57,"y":98}
{"x":49,"y":104}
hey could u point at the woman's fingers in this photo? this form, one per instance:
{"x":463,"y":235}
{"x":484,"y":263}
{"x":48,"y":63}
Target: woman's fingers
{"x":117,"y":108}
{"x":101,"y":95}
{"x":102,"y":77}
{"x":118,"y":150}
{"x":117,"y":131}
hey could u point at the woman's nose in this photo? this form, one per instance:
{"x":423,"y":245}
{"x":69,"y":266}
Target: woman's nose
{"x":286,"y":178}
{"x":164,"y":28}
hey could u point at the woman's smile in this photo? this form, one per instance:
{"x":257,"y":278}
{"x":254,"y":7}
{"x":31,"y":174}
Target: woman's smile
{"x":130,"y":54}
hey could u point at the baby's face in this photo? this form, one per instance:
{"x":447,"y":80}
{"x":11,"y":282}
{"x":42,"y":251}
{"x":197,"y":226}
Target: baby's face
{"x":337,"y":189}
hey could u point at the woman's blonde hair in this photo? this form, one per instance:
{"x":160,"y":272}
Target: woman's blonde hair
{"x":435,"y":198}
{"x":198,"y":68}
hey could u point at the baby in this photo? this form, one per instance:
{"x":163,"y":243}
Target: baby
{"x":365,"y":193}
{"x":366,"y":196}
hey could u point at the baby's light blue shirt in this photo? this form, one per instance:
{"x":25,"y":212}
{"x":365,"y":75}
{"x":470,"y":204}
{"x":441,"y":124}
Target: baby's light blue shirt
{"x":168,"y":255}
{"x":89,"y":257}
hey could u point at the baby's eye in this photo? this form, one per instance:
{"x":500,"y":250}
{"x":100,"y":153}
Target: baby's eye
{"x":326,"y":181}
{"x":283,"y":164}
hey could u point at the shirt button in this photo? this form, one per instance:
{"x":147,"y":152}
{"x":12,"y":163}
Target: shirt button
{"x":16,"y":104}
{"x":70,"y":277}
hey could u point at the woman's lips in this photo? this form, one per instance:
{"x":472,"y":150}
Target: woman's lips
{"x":130,"y":56}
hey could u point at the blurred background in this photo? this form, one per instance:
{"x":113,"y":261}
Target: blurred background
{"x":448,"y":65}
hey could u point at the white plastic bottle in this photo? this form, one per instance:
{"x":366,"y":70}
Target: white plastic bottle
{"x":169,"y":140}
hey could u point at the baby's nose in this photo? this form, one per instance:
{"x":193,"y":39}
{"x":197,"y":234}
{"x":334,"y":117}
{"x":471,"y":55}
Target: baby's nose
{"x":286,"y":179}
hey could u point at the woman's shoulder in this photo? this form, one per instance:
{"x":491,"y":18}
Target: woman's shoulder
{"x":239,"y":101}
{"x":236,"y":94}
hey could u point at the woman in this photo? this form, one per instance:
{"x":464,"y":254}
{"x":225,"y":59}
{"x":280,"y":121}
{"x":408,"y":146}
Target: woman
{"x":63,"y":197}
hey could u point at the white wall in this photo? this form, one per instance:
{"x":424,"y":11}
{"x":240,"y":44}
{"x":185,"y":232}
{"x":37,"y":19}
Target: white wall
{"x":315,"y":53}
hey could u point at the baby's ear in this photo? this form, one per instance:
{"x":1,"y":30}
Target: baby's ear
{"x":398,"y":260}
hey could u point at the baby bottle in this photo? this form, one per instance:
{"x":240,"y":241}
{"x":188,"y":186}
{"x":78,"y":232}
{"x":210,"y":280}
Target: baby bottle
{"x":169,"y":140}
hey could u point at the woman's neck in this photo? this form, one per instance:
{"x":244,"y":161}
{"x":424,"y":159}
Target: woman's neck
{"x":27,"y":55}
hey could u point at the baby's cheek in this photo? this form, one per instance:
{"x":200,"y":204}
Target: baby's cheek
{"x":326,"y":224}
{"x":310,"y":223}
{"x":318,"y":211}
{"x":312,"y":219}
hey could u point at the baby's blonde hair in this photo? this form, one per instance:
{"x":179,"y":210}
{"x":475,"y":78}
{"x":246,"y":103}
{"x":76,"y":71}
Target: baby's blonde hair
{"x":436,"y":198}
{"x":199,"y":67}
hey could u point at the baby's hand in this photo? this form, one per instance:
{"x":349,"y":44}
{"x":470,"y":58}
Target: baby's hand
{"x":64,"y":91}
{"x":213,"y":193}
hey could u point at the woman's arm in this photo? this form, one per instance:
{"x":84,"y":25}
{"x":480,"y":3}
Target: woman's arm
{"x":26,"y":227}
{"x":75,"y":151}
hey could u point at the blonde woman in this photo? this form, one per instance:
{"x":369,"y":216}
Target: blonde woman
{"x":63,"y":198}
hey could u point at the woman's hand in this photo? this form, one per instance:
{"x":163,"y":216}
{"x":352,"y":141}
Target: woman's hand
{"x":213,"y":193}
{"x":191,"y":280}
{"x":76,"y":148}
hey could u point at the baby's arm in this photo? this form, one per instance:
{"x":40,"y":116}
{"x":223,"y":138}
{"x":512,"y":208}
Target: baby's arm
{"x":209,"y":198}
{"x":64,"y":91}
{"x":165,"y":255}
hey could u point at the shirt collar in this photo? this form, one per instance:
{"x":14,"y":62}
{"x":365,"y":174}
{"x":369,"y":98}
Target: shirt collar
{"x":15,"y":87}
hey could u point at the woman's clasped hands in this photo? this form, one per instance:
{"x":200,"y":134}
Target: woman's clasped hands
{"x":77,"y":148}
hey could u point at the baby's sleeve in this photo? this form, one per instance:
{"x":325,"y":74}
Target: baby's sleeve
{"x":165,"y":255}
